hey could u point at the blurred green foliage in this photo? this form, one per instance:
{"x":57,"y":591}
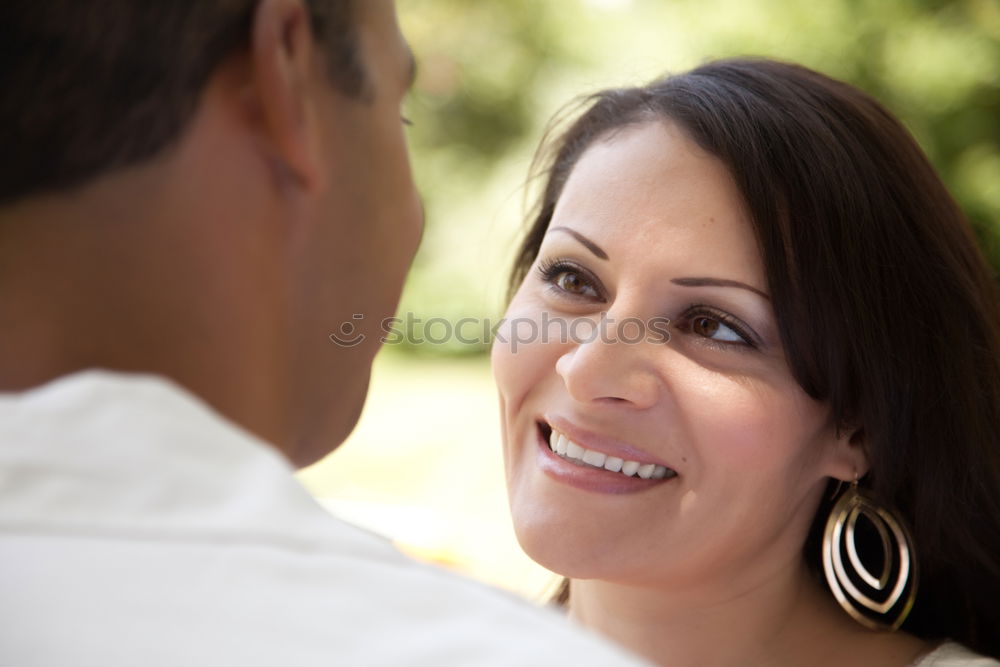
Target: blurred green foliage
{"x":492,"y":73}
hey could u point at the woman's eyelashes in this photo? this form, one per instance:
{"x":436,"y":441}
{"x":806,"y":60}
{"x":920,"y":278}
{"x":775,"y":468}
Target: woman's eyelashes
{"x":570,"y":280}
{"x":717,"y":327}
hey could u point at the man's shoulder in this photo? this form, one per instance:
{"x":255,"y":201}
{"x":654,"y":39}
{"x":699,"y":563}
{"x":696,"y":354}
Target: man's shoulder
{"x":142,"y":523}
{"x":354,"y":600}
{"x":433,"y":616}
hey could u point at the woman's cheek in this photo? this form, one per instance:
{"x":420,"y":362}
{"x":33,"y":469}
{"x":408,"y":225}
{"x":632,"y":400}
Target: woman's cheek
{"x":523,"y":341}
{"x":747,"y":429}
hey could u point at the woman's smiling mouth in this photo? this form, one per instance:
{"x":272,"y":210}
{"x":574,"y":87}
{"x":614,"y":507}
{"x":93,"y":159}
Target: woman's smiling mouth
{"x":572,"y":463}
{"x":575,"y":453}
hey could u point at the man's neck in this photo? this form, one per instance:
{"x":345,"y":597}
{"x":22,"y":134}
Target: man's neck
{"x":124,"y":276}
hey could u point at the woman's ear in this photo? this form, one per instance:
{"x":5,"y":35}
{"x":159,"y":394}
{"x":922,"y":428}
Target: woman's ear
{"x":849,"y":459}
{"x":282,"y":52}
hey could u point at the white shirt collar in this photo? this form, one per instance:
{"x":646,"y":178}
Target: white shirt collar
{"x":130,"y":455}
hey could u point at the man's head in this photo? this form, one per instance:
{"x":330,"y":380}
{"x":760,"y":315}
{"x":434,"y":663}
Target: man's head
{"x":223,"y":182}
{"x":91,"y":86}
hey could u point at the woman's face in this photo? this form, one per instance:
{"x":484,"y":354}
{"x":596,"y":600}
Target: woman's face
{"x":678,"y":462}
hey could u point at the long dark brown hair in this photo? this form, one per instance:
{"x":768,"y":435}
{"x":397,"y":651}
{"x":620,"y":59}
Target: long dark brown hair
{"x":887,"y":308}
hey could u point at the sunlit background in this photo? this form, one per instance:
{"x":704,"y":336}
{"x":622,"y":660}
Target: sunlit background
{"x":424,"y":465}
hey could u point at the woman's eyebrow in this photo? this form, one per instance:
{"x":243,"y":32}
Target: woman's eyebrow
{"x":590,"y":245}
{"x":717,"y":282}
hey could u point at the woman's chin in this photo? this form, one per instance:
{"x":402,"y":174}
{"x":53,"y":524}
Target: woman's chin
{"x":570,"y":554}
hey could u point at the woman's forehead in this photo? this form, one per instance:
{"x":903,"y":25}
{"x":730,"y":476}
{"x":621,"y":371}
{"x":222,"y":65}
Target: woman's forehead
{"x":650,"y":190}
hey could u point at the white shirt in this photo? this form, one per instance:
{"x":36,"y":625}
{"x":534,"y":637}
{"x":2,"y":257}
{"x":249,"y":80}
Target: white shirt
{"x":951,"y":654}
{"x":139,"y":528}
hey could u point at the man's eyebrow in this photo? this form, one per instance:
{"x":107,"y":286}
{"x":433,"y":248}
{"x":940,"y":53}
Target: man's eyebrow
{"x":423,"y":220}
{"x":411,"y":74}
{"x":717,"y":282}
{"x":590,"y":245}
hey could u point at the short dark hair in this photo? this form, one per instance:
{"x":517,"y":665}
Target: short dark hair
{"x":94,"y":85}
{"x":887,"y":308}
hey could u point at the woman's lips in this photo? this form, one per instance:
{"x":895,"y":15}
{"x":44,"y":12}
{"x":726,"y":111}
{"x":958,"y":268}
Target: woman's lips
{"x":580,"y":468}
{"x":600,"y":443}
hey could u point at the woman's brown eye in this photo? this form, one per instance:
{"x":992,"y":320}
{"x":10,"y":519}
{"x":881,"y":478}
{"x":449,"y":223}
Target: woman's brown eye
{"x":705,"y":326}
{"x":715,"y":329}
{"x":570,"y":282}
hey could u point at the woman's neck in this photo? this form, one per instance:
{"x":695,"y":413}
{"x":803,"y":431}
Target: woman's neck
{"x":785,"y":620}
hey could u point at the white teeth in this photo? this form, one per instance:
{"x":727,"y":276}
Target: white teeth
{"x":613,"y":463}
{"x":574,"y":451}
{"x":568,"y":449}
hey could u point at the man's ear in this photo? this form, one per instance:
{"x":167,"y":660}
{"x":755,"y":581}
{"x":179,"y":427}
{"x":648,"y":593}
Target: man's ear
{"x":282,"y":50}
{"x":849,"y":459}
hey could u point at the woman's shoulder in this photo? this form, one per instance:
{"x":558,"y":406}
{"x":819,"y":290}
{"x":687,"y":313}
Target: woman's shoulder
{"x":951,"y":654}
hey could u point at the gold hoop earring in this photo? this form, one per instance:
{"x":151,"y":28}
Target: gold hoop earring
{"x":867,"y":598}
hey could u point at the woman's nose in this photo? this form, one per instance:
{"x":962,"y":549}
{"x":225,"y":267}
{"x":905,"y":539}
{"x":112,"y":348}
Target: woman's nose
{"x":610,"y":370}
